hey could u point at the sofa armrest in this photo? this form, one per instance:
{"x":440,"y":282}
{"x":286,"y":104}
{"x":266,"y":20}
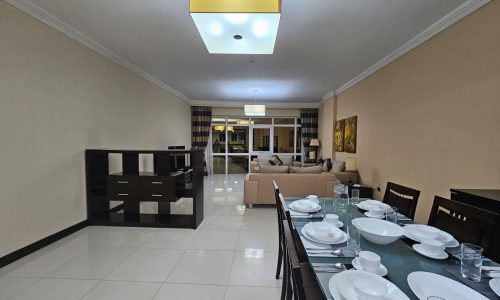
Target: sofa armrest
{"x":345,"y":176}
{"x":250,"y":191}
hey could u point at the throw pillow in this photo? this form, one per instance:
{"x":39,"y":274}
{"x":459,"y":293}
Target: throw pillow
{"x":273,"y":169}
{"x":338,"y":166}
{"x":307,"y":170}
{"x":275,"y":161}
{"x":327,"y":165}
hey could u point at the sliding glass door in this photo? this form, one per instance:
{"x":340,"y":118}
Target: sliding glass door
{"x":235,"y":141}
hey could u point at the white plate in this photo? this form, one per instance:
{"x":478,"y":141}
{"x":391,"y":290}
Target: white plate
{"x":338,"y":240}
{"x":370,"y":215}
{"x":495,"y":285}
{"x":425,"y":284}
{"x":448,"y":239}
{"x":370,"y":204}
{"x":420,"y":249}
{"x":382,"y":270}
{"x":295,"y":205}
{"x":340,"y":287}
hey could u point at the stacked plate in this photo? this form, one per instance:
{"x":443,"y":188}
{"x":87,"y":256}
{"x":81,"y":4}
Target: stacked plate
{"x":329,"y":234}
{"x":419,"y":232}
{"x":371,"y":204}
{"x":305,"y":205}
{"x":343,"y":286}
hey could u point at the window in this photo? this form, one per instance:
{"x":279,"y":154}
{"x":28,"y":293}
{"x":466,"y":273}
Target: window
{"x":235,"y":141}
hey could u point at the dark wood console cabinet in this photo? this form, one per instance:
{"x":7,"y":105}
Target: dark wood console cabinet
{"x":166,"y":184}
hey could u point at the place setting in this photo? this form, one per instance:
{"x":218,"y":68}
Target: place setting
{"x":363,"y":285}
{"x":306,"y":208}
{"x":431,"y":242}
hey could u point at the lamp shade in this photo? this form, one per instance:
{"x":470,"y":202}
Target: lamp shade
{"x":351,"y":164}
{"x":314,"y":143}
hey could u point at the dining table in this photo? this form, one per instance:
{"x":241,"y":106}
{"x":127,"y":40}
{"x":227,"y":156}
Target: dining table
{"x":398,"y":257}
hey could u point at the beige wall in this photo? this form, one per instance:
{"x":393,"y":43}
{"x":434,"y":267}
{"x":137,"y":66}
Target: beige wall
{"x":326,"y":125}
{"x":58,"y":98}
{"x":431,"y":119}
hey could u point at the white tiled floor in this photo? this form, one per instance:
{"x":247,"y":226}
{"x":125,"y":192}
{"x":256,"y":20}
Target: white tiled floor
{"x":232,"y":256}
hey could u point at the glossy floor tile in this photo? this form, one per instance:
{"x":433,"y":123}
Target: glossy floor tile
{"x":203,"y":267}
{"x":252,"y":293}
{"x":254,"y":267}
{"x":231,"y":256}
{"x":207,"y":239}
{"x":190,"y":292}
{"x":123,"y":290}
{"x":151,"y":265}
{"x":56,"y":289}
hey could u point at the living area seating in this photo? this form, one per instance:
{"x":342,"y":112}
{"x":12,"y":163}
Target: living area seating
{"x":262,"y":164}
{"x":259,"y":189}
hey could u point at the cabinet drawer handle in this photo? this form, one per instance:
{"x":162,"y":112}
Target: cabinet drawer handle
{"x":122,"y":194}
{"x":122,"y":181}
{"x":157,"y":182}
{"x":156,"y":195}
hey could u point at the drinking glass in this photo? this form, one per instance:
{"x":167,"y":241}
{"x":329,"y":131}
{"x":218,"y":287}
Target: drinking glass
{"x":353,"y":240}
{"x":354,"y":197}
{"x":391,"y":214}
{"x":341,"y":196}
{"x":471,"y":258}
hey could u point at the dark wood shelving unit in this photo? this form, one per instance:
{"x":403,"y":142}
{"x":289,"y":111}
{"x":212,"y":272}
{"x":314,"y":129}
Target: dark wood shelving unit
{"x":170,"y":181}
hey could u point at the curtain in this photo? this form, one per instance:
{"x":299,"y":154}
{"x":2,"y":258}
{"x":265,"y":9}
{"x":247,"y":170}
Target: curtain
{"x":208,"y":155}
{"x":201,"y":119}
{"x":309,"y":121}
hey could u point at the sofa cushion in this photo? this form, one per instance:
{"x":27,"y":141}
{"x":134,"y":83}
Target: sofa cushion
{"x":273,"y":169}
{"x":287,"y":160}
{"x":263,"y":159}
{"x":307,"y":170}
{"x":338,"y":166}
{"x":275,"y":161}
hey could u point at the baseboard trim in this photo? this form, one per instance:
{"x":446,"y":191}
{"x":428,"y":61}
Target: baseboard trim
{"x":12,"y":257}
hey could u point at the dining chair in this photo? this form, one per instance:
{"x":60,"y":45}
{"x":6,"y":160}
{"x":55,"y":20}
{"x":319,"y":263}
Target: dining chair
{"x":468,"y":224}
{"x":303,"y":283}
{"x":405,"y":199}
{"x":280,"y":230}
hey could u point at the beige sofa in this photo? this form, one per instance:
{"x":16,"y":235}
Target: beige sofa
{"x":344,"y":177}
{"x":258,"y":187}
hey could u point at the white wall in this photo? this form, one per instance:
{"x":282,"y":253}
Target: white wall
{"x":58,"y":98}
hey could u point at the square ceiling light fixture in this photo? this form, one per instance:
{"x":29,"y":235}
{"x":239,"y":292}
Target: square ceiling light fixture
{"x":237,"y":26}
{"x":255,"y":110}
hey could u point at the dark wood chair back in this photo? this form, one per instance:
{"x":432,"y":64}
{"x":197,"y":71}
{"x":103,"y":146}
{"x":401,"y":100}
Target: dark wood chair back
{"x":405,"y":199}
{"x":468,"y":224}
{"x":303,"y":284}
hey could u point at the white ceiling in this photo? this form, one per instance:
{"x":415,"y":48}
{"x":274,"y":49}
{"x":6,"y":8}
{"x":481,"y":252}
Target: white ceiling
{"x":321,"y":44}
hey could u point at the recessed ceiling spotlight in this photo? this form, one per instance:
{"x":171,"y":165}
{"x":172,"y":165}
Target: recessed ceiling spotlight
{"x":256,"y":21}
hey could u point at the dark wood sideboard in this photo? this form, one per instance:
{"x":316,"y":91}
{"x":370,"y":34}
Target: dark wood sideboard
{"x":166,"y":184}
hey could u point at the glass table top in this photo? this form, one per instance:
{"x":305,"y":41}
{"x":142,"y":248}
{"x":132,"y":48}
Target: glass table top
{"x":399,"y":257}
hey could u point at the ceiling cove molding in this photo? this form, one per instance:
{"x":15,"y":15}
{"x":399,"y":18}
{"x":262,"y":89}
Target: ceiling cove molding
{"x":326,"y":97}
{"x":240,"y":104}
{"x":54,"y":22}
{"x":451,"y":18}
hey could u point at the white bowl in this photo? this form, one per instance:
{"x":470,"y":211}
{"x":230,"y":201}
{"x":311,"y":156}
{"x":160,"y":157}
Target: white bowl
{"x":323,"y":229}
{"x":369,"y":286}
{"x":378,"y":231}
{"x":429,"y":232}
